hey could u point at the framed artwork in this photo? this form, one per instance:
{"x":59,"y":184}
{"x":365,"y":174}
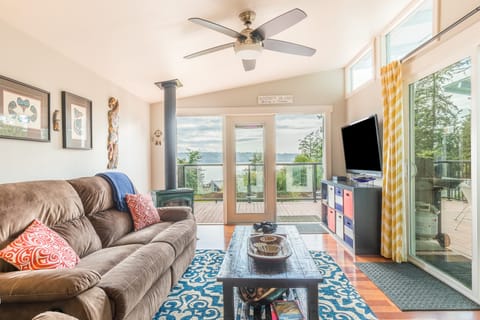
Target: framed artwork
{"x":76,"y":121}
{"x":24,"y":111}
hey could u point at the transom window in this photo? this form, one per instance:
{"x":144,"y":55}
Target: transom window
{"x":412,"y":31}
{"x":362,"y":70}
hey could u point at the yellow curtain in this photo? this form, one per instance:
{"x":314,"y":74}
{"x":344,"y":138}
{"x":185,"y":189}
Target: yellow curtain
{"x":392,"y":244}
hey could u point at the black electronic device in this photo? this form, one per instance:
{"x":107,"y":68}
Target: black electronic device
{"x":362,"y":147}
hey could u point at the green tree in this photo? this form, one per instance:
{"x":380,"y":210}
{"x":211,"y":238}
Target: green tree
{"x":440,"y":126}
{"x":282,"y":180}
{"x":311,"y":146}
{"x":193,"y":156}
{"x":465,"y":139}
{"x":302,"y":158}
{"x":311,"y":150}
{"x":194,"y":175}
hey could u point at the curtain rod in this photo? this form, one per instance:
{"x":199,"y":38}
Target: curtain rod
{"x":441,"y":33}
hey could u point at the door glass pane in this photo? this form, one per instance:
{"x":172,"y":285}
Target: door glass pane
{"x":299,"y":167}
{"x":441,"y":108}
{"x":249,"y":159}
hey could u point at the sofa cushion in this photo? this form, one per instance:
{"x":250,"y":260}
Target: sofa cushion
{"x":39,"y":247}
{"x":128,"y":282}
{"x":80,"y":234}
{"x":142,"y":210}
{"x":51,"y":202}
{"x":179,"y":235}
{"x":105,"y":259}
{"x":45,"y":285}
{"x":111,"y":225}
{"x":143,"y":236}
{"x":95,"y":193}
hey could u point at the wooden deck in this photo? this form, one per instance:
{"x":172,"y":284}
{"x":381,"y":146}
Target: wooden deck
{"x":211,"y":212}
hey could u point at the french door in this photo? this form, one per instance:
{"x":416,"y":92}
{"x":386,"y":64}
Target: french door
{"x":249,"y":168}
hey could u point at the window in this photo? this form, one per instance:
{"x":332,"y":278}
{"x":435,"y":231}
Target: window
{"x":411,"y":32}
{"x":362,"y":70}
{"x":200,"y":155}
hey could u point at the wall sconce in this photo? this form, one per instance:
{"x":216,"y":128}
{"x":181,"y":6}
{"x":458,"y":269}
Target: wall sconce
{"x":56,"y":120}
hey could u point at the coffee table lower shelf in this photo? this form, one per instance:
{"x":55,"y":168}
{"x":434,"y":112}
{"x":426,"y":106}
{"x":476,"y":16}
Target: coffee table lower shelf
{"x":244,"y":311}
{"x":310,"y":288}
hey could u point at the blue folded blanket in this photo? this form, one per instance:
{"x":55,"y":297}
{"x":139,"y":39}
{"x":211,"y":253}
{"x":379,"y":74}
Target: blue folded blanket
{"x":121,"y":185}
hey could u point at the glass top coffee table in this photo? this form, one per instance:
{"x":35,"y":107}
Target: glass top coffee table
{"x":240,"y":270}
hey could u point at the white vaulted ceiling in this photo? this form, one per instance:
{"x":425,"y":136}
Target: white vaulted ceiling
{"x":135,"y":43}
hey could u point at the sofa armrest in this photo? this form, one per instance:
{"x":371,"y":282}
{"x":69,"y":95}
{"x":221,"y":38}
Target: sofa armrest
{"x":45,"y":285}
{"x":175,"y":213}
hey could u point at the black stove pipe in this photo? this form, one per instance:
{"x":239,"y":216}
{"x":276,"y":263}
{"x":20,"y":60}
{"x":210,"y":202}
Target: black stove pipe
{"x":170,"y":134}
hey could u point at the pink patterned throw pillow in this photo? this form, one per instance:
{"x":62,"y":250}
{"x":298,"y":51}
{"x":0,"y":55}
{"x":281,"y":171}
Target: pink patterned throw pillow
{"x":142,"y":210}
{"x":39,"y":247}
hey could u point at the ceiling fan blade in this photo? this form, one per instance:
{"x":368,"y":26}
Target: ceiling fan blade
{"x":248,"y":64}
{"x":288,"y":47}
{"x":216,"y":27}
{"x":280,"y":23}
{"x":209,"y":50}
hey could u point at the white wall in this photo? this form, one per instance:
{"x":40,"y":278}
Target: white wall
{"x":450,"y":11}
{"x":364,"y":102}
{"x":25,"y":59}
{"x":314,"y":90}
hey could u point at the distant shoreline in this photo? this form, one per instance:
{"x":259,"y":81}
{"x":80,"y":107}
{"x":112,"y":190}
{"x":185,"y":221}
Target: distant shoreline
{"x":217,"y":157}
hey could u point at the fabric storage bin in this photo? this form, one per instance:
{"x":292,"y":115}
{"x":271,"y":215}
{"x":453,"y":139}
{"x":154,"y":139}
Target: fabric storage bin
{"x":348,"y":231}
{"x":339,"y":199}
{"x":331,"y":196}
{"x":348,"y":203}
{"x":339,"y":224}
{"x":348,"y":240}
{"x":331,"y":219}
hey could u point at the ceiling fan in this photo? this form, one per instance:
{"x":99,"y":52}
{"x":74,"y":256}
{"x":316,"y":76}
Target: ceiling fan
{"x":250,"y":42}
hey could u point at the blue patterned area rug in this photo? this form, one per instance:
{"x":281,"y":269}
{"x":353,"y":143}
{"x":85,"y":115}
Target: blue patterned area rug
{"x":199,"y":296}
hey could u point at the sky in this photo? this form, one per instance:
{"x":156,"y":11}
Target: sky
{"x":205,"y":133}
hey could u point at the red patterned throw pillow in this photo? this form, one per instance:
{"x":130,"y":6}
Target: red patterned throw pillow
{"x":39,"y":247}
{"x":142,"y":210}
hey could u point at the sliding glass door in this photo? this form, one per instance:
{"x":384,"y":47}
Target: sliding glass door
{"x":442,"y":235}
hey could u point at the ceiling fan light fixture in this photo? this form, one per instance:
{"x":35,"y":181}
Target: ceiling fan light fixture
{"x":248,"y":51}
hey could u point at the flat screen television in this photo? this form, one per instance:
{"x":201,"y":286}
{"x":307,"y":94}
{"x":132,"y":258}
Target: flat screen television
{"x":362,"y":147}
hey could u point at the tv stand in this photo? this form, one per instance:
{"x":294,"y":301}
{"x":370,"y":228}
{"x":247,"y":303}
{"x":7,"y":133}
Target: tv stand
{"x":352,"y":213}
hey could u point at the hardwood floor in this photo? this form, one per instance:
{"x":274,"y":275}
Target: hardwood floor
{"x":218,"y":237}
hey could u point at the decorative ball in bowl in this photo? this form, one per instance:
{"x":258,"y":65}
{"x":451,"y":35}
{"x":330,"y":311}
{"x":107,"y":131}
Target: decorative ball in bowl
{"x":271,"y":247}
{"x":268,"y":238}
{"x":267,"y":249}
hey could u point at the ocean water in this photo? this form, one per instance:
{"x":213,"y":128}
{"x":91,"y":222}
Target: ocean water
{"x":217,"y":157}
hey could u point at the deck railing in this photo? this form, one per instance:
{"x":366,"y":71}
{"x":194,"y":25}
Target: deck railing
{"x":295,"y":181}
{"x":449,"y":174}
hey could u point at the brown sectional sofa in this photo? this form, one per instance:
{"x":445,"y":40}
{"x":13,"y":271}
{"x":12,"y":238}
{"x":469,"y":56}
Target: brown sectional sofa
{"x":122,"y":274}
